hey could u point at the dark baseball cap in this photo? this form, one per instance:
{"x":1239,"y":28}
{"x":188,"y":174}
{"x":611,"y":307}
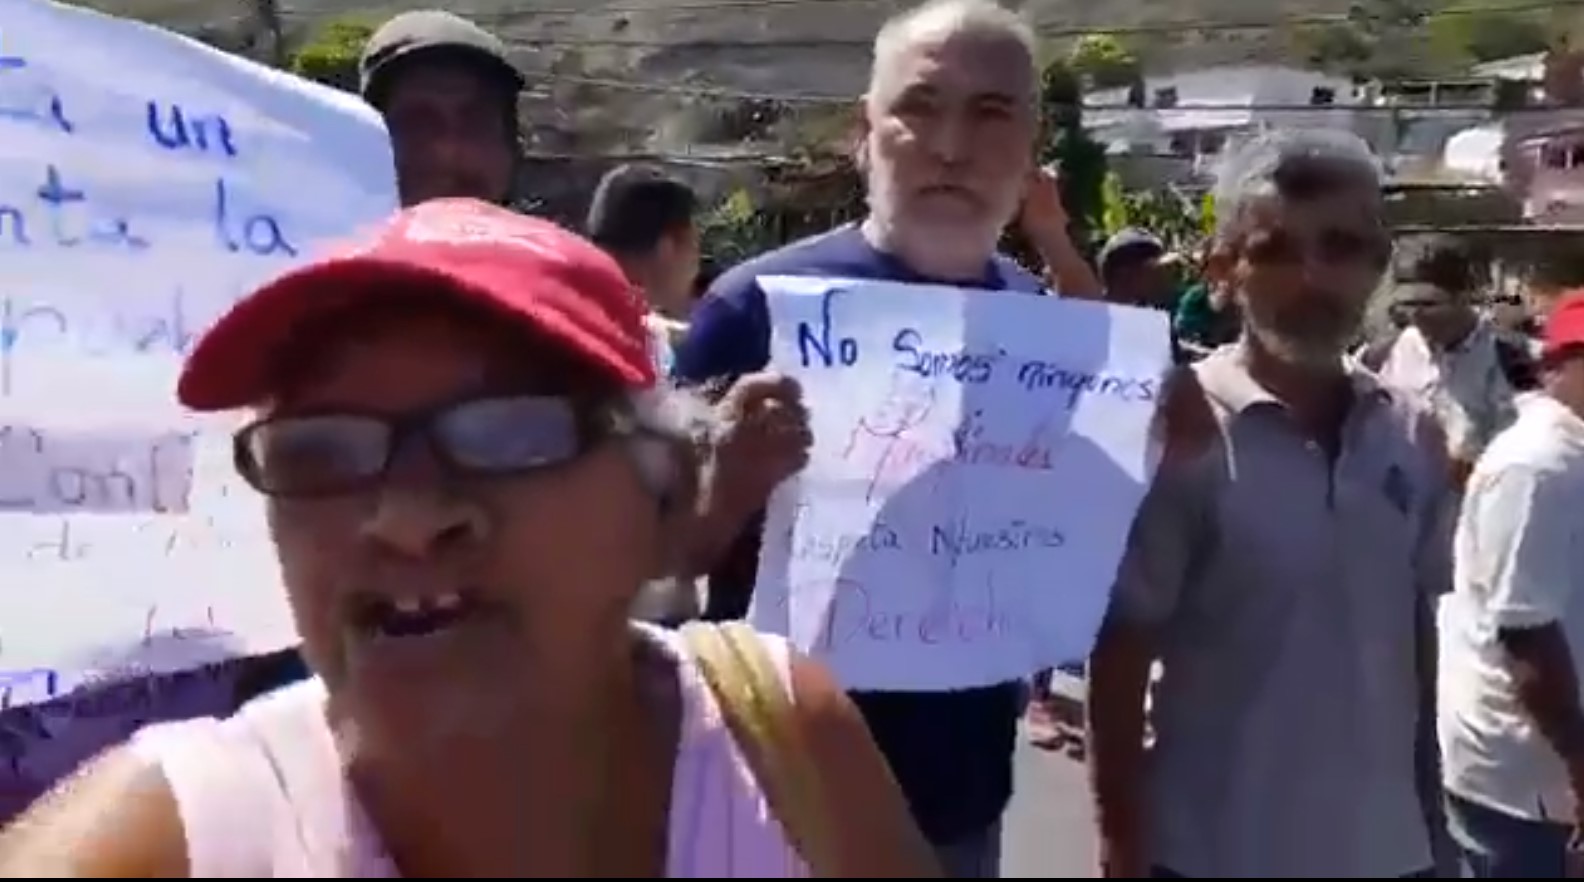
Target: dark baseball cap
{"x":431,"y":33}
{"x":1128,"y":243}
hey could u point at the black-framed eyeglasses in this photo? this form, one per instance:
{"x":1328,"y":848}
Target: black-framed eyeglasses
{"x":328,"y":453}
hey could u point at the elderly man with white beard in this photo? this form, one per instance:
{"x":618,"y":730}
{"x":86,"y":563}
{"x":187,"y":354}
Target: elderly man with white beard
{"x":948,"y":129}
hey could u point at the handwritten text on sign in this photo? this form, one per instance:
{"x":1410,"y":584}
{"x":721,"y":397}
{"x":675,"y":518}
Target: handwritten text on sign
{"x":146,"y":182}
{"x":978,"y":459}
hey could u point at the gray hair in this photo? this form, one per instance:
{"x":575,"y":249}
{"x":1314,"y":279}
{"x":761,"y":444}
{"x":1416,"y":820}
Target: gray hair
{"x":1249,"y":172}
{"x":667,"y":421}
{"x":983,"y":18}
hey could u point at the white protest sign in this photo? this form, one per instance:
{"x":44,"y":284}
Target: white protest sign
{"x":146,"y":182}
{"x":978,"y":459}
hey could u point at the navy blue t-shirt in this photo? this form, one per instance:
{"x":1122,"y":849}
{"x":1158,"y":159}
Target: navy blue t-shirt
{"x":950,"y":751}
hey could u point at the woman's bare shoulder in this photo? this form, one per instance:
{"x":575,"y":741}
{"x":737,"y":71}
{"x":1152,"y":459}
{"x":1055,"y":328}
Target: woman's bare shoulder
{"x":115,"y":817}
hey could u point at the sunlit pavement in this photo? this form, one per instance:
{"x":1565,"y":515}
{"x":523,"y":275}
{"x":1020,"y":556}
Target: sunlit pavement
{"x":1049,"y":831}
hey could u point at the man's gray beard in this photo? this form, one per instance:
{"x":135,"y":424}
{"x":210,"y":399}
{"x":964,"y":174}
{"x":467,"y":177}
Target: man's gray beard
{"x":1306,"y":354}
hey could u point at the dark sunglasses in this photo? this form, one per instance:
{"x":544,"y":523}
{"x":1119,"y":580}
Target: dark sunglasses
{"x":323,"y":454}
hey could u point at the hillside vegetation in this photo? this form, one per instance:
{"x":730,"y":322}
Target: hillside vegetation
{"x":665,"y":74}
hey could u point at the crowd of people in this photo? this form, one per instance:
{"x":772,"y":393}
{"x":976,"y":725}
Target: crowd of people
{"x":1340,"y":643}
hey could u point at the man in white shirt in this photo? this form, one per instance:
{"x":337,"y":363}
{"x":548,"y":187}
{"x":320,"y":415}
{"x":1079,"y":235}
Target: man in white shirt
{"x":1511,"y":725}
{"x":1448,"y":357}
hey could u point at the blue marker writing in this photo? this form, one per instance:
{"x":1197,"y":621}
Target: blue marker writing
{"x":820,"y":341}
{"x":962,"y":366}
{"x":112,"y":232}
{"x":174,"y":128}
{"x":36,"y":105}
{"x":15,"y":323}
{"x":240,"y":231}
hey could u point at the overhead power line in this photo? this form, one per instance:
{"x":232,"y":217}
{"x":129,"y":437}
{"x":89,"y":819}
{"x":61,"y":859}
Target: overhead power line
{"x":1181,"y":26}
{"x":726,"y":93}
{"x":618,"y":9}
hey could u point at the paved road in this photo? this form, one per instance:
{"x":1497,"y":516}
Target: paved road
{"x":1049,"y":827}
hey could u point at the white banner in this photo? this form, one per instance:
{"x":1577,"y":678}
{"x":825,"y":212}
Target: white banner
{"x":146,"y":182}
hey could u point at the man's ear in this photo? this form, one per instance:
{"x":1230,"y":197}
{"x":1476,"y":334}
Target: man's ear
{"x":858,"y":129}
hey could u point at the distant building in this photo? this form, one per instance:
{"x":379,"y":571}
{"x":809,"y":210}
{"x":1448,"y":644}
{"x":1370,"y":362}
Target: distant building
{"x":1543,"y":163}
{"x":1523,"y":68}
{"x":1176,"y":125}
{"x":1555,"y":77}
{"x":1411,"y":123}
{"x":1535,"y":149}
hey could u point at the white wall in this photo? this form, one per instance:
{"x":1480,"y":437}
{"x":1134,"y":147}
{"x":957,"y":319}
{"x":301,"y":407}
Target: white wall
{"x":1235,"y":98}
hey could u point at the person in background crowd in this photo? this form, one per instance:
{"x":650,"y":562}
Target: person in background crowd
{"x":644,"y":219}
{"x":469,"y":468}
{"x":1206,"y":317}
{"x":449,"y":97}
{"x":1448,"y":358}
{"x":1137,"y":270}
{"x":1281,"y":568}
{"x":1556,"y":271}
{"x":1513,"y":324}
{"x":1511,"y":725}
{"x":1134,"y":272}
{"x":948,"y":128}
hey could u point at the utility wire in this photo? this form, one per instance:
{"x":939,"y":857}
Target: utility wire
{"x":723,"y":93}
{"x":1181,"y":26}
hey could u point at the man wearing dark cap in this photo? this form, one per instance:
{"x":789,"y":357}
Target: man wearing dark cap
{"x":1132,"y":270}
{"x":449,"y":97}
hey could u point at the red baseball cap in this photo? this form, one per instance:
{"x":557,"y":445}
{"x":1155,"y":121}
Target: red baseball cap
{"x":553,"y":283}
{"x":1564,"y":329}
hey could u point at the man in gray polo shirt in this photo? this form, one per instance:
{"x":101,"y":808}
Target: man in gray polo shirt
{"x":1281,"y":568}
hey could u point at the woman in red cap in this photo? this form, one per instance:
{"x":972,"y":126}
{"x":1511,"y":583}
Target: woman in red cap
{"x":470,"y":470}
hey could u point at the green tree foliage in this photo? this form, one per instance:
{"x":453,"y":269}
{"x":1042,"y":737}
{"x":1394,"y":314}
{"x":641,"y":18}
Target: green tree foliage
{"x":331,"y":56}
{"x":1102,"y":61}
{"x":734,"y":231}
{"x":1338,"y":47}
{"x":1488,"y":34}
{"x":1414,"y":38}
{"x":1181,"y":220}
{"x":1079,"y":158}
